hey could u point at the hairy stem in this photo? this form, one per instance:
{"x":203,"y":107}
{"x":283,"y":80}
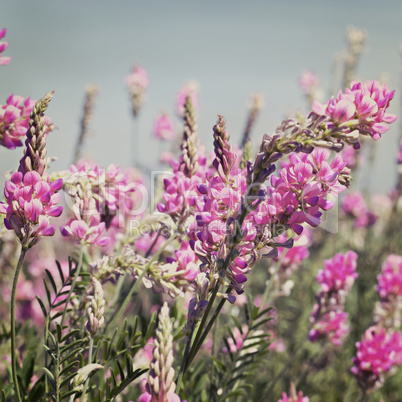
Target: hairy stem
{"x":13,"y":346}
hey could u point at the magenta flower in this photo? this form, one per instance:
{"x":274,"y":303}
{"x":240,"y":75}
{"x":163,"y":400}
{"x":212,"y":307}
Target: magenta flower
{"x":3,"y":46}
{"x":332,"y":326}
{"x":377,"y":353}
{"x":293,"y":395}
{"x":163,"y":128}
{"x":390,"y":279}
{"x":339,"y":273}
{"x":354,"y":205}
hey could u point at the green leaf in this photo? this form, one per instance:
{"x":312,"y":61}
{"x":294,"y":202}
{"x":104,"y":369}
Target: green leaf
{"x":67,"y":379}
{"x":49,"y":375}
{"x":70,"y":354}
{"x":49,"y":298}
{"x":42,"y":306}
{"x":121,"y":339}
{"x":59,"y":332}
{"x":37,"y":391}
{"x":51,"y":280}
{"x":67,"y":368}
{"x":150,"y":327}
{"x":60,"y":271}
{"x":69,"y":335}
{"x":117,"y":390}
{"x":121,"y":371}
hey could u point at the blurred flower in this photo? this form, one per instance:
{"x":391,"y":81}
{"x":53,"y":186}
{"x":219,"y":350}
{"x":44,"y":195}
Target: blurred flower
{"x":137,"y":82}
{"x":163,"y":128}
{"x":190,"y":89}
{"x":3,"y":46}
{"x":377,"y":353}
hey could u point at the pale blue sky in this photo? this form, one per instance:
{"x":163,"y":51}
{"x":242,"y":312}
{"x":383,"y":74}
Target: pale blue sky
{"x":231,"y":47}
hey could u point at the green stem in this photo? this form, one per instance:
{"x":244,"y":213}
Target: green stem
{"x":13,"y":346}
{"x":197,"y":347}
{"x":77,"y":274}
{"x":271,"y":282}
{"x":91,"y":346}
{"x":134,"y":285}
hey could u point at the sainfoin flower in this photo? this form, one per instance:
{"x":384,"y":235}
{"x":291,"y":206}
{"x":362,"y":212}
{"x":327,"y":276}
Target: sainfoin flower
{"x":31,"y":200}
{"x":3,"y":46}
{"x":160,"y":386}
{"x":377,"y":353}
{"x":390,"y":279}
{"x":137,"y":82}
{"x":100,"y":198}
{"x":362,"y":108}
{"x":293,"y":395}
{"x":329,"y":321}
{"x":163,"y":128}
{"x":31,"y":197}
{"x":14,"y":120}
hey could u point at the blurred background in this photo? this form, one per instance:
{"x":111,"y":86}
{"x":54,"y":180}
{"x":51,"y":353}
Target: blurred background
{"x":232,"y":48}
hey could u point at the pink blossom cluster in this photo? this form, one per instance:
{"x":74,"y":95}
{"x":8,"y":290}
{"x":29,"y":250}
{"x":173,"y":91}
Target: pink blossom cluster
{"x":187,"y":262}
{"x":354,"y":206}
{"x":164,"y":128}
{"x":31,"y":200}
{"x":388,"y":311}
{"x":14,"y":120}
{"x":293,"y":395}
{"x":308,"y":81}
{"x":97,"y":194}
{"x":336,"y":279}
{"x":138,"y":79}
{"x":3,"y":46}
{"x":189,"y":89}
{"x":377,"y":353}
{"x":213,"y":198}
{"x":137,"y":82}
{"x":362,"y":107}
{"x":390,"y":279}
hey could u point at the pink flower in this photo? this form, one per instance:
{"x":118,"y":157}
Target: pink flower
{"x":377,"y":353}
{"x":190,"y":89}
{"x":308,"y":81}
{"x":31,"y":200}
{"x":354,"y":205}
{"x":339,"y":273}
{"x":293,"y":396}
{"x":362,"y":107}
{"x":137,"y":79}
{"x":399,"y":160}
{"x":14,"y":120}
{"x":163,"y":128}
{"x":332,"y":326}
{"x":390,"y":279}
{"x":137,"y":82}
{"x":3,"y":46}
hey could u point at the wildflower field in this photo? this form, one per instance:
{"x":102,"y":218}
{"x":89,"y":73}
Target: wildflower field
{"x":249,"y":270}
